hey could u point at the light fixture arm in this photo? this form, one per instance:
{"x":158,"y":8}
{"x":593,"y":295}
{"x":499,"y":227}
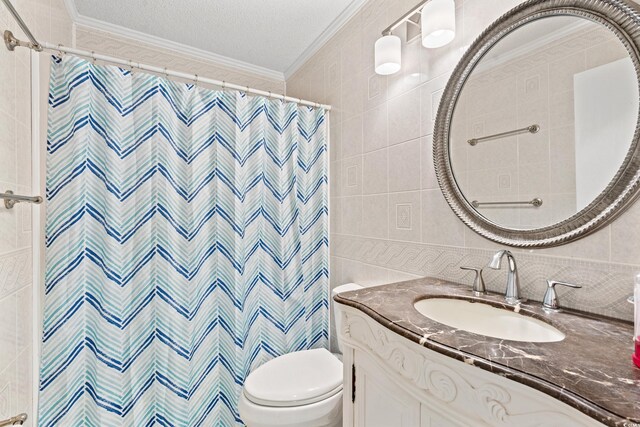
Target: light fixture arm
{"x":404,"y":18}
{"x":436,"y":19}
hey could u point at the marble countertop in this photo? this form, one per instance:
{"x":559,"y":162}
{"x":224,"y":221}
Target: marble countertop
{"x":590,"y":370}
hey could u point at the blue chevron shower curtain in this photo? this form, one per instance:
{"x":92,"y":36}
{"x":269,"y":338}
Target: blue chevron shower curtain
{"x":186,"y":243}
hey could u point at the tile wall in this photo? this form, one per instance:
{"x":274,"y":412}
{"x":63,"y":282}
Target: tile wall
{"x":49,"y":21}
{"x":389,"y":220}
{"x":122,"y":47}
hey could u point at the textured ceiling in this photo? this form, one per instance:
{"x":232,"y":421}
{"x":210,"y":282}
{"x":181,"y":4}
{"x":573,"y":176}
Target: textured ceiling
{"x":267,"y":33}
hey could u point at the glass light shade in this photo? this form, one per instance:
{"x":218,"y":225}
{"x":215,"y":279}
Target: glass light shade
{"x":438,"y":23}
{"x":388,"y":55}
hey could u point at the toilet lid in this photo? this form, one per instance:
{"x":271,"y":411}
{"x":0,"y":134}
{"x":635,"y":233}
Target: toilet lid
{"x":295,"y":379}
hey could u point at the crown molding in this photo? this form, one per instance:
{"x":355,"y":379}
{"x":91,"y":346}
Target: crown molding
{"x":159,"y":42}
{"x":204,"y":55}
{"x":72,"y":10}
{"x":335,"y":26}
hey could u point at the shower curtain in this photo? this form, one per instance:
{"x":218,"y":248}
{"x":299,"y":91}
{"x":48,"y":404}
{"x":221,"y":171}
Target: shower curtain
{"x":186,"y":244}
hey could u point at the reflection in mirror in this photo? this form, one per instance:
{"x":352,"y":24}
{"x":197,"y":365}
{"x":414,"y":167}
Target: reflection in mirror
{"x":544,"y":122}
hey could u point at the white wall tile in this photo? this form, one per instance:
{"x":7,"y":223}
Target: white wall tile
{"x":352,"y":136}
{"x":404,"y":117}
{"x":398,"y":116}
{"x":335,"y":218}
{"x":364,"y":274}
{"x":625,"y":237}
{"x":429,"y":179}
{"x":352,"y":94}
{"x":335,"y":183}
{"x":351,"y":176}
{"x":375,"y":129}
{"x":405,"y":218}
{"x":352,"y":215}
{"x":409,"y":76}
{"x":49,"y":21}
{"x":375,"y":222}
{"x":8,"y":337}
{"x":404,"y":166}
{"x":375,"y":89}
{"x":374,"y":172}
{"x":439,"y":223}
{"x":430,"y":95}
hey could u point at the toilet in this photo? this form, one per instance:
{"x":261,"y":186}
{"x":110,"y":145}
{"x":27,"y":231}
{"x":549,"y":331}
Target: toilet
{"x":299,"y":389}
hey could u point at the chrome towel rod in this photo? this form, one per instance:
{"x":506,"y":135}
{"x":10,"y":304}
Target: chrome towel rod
{"x":18,"y":420}
{"x":12,"y":10}
{"x":11,"y":199}
{"x":530,"y":129}
{"x":537,"y":202}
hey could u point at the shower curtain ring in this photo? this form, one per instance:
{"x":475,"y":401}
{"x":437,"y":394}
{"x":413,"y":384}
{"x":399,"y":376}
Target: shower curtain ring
{"x":223,"y":85}
{"x":166,"y":75}
{"x":60,"y":52}
{"x":196,"y":80}
{"x":93,"y":57}
{"x":130,"y":66}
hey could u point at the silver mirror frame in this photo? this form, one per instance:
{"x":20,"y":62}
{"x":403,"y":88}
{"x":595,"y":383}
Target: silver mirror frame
{"x":622,"y":17}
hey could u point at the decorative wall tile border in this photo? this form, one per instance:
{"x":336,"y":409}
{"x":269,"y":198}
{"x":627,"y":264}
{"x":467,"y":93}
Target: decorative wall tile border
{"x":606,"y":286}
{"x":15,"y":271}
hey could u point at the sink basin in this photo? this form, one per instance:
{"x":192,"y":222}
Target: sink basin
{"x":484,"y":319}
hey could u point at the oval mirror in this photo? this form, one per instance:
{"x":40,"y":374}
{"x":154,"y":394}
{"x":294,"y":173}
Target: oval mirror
{"x":536,"y":139}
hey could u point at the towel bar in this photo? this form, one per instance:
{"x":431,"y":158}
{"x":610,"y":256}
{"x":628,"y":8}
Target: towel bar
{"x":18,"y":420}
{"x":537,"y":202}
{"x":528,"y":129}
{"x":11,"y":199}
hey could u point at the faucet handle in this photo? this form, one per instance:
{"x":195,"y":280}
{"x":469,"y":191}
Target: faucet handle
{"x":550,"y":300}
{"x":478,"y":281}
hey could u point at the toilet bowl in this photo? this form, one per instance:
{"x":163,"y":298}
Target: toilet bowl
{"x":299,"y":389}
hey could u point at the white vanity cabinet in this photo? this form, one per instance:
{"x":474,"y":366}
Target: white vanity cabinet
{"x":391,"y":381}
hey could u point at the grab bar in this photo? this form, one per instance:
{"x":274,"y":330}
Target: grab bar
{"x":530,"y":129}
{"x":537,"y":202}
{"x":11,"y":199}
{"x":13,"y":421}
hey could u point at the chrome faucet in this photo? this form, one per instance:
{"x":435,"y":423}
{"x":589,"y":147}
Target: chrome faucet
{"x":550,"y":299}
{"x":479,"y":287}
{"x":512,"y":294}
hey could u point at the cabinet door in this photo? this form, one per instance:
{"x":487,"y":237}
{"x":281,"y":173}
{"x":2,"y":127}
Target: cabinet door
{"x":431,"y":419}
{"x":379,"y":402}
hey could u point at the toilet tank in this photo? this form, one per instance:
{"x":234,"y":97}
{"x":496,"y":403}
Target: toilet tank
{"x":336,"y":307}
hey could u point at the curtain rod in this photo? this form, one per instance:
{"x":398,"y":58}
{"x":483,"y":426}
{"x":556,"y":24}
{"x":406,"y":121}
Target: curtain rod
{"x":12,"y":42}
{"x":23,"y":26}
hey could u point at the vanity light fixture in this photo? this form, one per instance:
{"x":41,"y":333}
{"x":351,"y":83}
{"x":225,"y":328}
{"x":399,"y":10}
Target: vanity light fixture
{"x":438,"y":23}
{"x":388,"y":54}
{"x":438,"y":29}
